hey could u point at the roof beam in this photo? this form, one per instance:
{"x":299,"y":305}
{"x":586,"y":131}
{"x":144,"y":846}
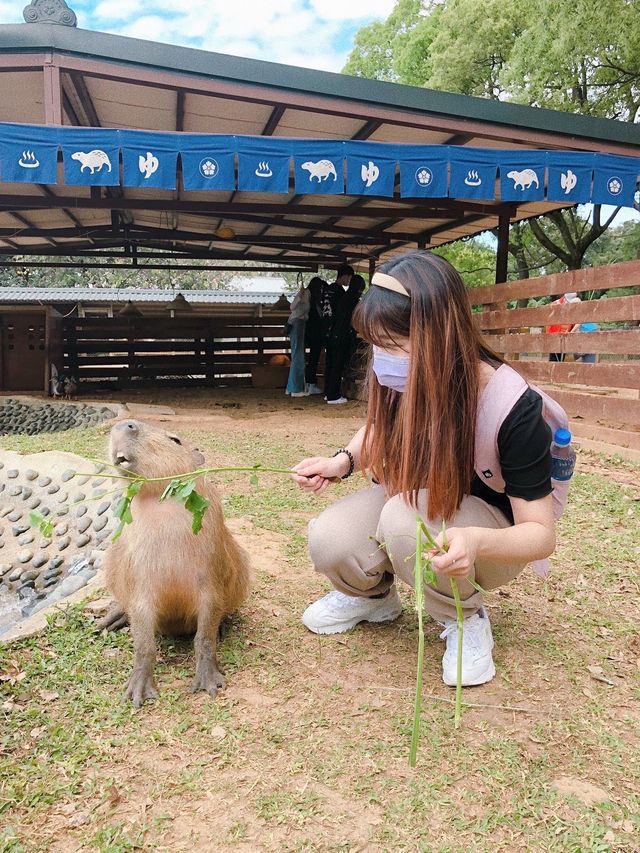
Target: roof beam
{"x":273,"y":120}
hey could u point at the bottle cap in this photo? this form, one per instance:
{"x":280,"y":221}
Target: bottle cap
{"x":562,"y":437}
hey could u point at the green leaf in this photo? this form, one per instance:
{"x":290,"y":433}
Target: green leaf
{"x":197,"y":505}
{"x":42,"y":524}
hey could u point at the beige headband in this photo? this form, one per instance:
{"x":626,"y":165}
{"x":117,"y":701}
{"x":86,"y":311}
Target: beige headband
{"x":381,"y":279}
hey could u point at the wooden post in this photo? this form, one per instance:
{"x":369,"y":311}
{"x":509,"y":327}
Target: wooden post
{"x":52,"y":93}
{"x":502,"y":256}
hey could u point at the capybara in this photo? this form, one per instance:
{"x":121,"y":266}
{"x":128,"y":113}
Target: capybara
{"x":166,"y":578}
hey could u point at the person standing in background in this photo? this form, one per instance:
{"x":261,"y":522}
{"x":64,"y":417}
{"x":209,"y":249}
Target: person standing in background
{"x":342,"y":340}
{"x":295,"y":327}
{"x":313,"y":333}
{"x":558,"y":328}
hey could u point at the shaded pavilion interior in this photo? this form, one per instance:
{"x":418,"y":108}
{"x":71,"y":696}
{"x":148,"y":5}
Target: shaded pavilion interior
{"x":59,"y":75}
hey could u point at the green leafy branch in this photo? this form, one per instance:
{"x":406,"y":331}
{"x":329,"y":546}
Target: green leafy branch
{"x":180,"y":487}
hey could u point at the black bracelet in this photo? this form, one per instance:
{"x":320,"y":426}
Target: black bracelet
{"x":352,"y":461}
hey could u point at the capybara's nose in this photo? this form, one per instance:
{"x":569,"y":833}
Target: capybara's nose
{"x":129,"y":427}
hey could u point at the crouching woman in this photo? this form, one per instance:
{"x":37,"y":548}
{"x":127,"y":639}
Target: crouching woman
{"x":433,"y":385}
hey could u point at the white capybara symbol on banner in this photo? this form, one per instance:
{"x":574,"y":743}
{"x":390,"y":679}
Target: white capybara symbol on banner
{"x":93,"y":160}
{"x":523,"y":179}
{"x":320,"y":170}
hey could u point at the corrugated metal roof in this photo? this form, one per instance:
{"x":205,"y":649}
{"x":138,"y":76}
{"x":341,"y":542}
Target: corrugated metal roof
{"x":121,"y":295}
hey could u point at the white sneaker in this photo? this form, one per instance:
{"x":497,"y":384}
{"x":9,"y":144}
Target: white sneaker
{"x":313,"y":389}
{"x":337,"y":402}
{"x":337,"y":612}
{"x":477,"y":643}
{"x":299,"y":393}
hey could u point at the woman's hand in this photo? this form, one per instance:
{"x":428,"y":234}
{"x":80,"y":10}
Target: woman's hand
{"x":460,"y":559}
{"x":313,"y":475}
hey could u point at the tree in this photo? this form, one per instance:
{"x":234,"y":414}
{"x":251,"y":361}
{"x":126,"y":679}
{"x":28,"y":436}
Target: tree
{"x":569,"y":55}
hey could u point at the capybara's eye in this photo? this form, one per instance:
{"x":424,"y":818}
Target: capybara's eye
{"x":175,"y":438}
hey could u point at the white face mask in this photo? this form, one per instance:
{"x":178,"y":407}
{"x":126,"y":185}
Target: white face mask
{"x":391,"y":371}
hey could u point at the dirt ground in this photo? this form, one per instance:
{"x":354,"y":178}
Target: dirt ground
{"x":307,"y":748}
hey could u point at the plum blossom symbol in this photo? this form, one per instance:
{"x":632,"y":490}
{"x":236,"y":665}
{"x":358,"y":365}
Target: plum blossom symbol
{"x":614,"y":185}
{"x":424,"y":176}
{"x":208,"y":167}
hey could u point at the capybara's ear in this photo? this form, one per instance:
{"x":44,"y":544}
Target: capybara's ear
{"x":198,"y":455}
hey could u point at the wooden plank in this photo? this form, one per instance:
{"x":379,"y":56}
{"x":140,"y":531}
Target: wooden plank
{"x":594,"y":407}
{"x":625,"y":274}
{"x":596,"y":432}
{"x":596,"y":311}
{"x":617,"y":375}
{"x":621,"y":342}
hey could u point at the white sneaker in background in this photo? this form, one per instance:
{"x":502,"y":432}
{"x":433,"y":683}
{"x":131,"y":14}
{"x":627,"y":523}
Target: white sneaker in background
{"x":313,"y":389}
{"x":299,"y":393}
{"x":477,"y":644}
{"x":337,"y":402}
{"x":337,"y":612}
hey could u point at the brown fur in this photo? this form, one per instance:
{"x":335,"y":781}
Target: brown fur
{"x":166,"y":578}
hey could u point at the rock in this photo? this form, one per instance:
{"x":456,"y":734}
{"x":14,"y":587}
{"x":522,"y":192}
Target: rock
{"x":19,"y":529}
{"x":56,"y":561}
{"x":4,"y":568}
{"x":84,"y":524}
{"x":50,"y":581}
{"x":45,"y":511}
{"x":30,"y":474}
{"x":16,"y":515}
{"x":83,"y":480}
{"x":67,"y":475}
{"x":98,"y":467}
{"x":61,"y":529}
{"x":63,"y":497}
{"x":98,"y":493}
{"x":98,"y":607}
{"x":52,"y":573}
{"x":104,"y":534}
{"x":44,"y":543}
{"x":25,"y":556}
{"x":63,"y":543}
{"x":100,"y":523}
{"x":39,"y":560}
{"x":44,"y":481}
{"x":83,"y":540}
{"x":63,"y":510}
{"x":104,"y":506}
{"x":77,"y":497}
{"x":26,"y":590}
{"x":82,"y":510}
{"x":26,"y":493}
{"x":15,"y":491}
{"x":5,"y":511}
{"x":12,"y":473}
{"x":29,"y":575}
{"x":15,"y":575}
{"x":53,"y":488}
{"x":99,"y":482}
{"x":34,"y":503}
{"x":72,"y":584}
{"x":27,"y":539}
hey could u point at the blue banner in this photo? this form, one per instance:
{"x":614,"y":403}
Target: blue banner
{"x":614,"y":180}
{"x":263,"y":164}
{"x":522,"y":175}
{"x":473,"y":173}
{"x":91,"y":157}
{"x":149,"y":159}
{"x":424,"y":171}
{"x":319,"y":166}
{"x":208,"y":162}
{"x":371,"y":168}
{"x":35,"y":161}
{"x":569,"y":176}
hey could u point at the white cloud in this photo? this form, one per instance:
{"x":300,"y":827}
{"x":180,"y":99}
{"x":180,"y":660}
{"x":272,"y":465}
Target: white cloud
{"x":309,"y":33}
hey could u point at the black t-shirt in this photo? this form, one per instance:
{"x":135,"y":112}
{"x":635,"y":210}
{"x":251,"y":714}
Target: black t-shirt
{"x":524,"y":442}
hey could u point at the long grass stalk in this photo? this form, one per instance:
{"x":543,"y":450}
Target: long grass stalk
{"x":419,"y":588}
{"x":457,"y":714}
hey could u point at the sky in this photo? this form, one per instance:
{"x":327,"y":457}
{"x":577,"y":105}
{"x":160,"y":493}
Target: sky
{"x":312,"y":33}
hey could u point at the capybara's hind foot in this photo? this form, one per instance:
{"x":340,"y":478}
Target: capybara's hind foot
{"x":140,"y":687}
{"x":208,"y":677}
{"x":114,"y":619}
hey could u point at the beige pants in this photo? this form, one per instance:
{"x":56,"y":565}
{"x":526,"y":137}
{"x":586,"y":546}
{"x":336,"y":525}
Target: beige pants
{"x":362,"y":542}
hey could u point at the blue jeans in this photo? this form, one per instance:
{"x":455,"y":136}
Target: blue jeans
{"x":296,"y":372}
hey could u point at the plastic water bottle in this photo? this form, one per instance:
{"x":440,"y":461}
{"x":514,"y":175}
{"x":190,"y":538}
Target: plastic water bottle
{"x":563,"y":456}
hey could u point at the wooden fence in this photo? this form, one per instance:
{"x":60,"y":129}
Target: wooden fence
{"x":602,"y":399}
{"x":126,"y":352}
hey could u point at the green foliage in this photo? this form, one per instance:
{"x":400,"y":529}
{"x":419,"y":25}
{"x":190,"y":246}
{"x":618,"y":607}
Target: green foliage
{"x":43,"y":525}
{"x":122,"y":509}
{"x":184,"y":491}
{"x":475,"y":261}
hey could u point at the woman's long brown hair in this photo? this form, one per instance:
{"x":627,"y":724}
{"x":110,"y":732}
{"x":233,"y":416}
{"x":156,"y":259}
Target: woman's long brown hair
{"x":425,"y":437}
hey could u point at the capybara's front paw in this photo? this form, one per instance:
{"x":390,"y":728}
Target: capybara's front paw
{"x":113,"y":620}
{"x":140,"y":687}
{"x":209,"y":678}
